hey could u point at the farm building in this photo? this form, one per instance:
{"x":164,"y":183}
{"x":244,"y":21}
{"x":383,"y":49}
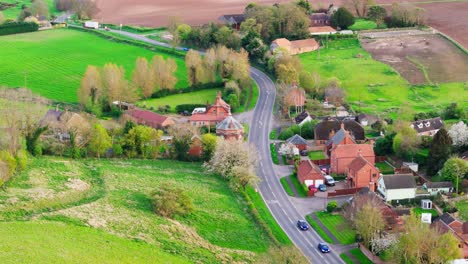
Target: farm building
{"x":397,"y":187}
{"x":214,"y":113}
{"x":148,"y":118}
{"x":323,"y":130}
{"x":362,"y":173}
{"x":427,"y":127}
{"x":322,"y":30}
{"x":230,"y":128}
{"x":309,"y":173}
{"x":294,"y":47}
{"x":341,"y":156}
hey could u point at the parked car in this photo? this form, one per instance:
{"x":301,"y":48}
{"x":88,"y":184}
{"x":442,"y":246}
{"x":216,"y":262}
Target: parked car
{"x":303,"y":152}
{"x":185,"y":49}
{"x":329,"y":180}
{"x":322,"y":188}
{"x":302,"y":225}
{"x":324,"y":248}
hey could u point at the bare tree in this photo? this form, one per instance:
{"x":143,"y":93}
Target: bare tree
{"x":143,"y":77}
{"x":85,"y":9}
{"x":39,"y":8}
{"x":194,"y":66}
{"x":209,"y":63}
{"x":116,"y":86}
{"x":164,"y":71}
{"x":334,"y":94}
{"x":360,"y":7}
{"x":91,"y":87}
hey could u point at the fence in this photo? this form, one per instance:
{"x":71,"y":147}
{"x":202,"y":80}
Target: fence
{"x":380,"y":159}
{"x":343,"y":192}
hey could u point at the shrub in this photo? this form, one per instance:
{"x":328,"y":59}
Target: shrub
{"x":285,"y":134}
{"x":9,"y":160}
{"x":17,"y":27}
{"x":169,"y":201}
{"x":331,"y":206}
{"x":21,"y":159}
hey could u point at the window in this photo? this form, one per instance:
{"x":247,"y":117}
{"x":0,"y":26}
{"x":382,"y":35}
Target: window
{"x":374,"y":175}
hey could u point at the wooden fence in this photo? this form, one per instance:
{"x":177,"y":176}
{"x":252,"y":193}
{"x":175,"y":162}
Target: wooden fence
{"x":321,"y":162}
{"x":343,"y":192}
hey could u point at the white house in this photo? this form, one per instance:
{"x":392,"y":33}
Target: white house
{"x":397,"y":187}
{"x":438,"y":187}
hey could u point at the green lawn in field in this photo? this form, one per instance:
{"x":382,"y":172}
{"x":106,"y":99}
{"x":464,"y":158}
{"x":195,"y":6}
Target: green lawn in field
{"x":198,"y":97}
{"x":357,"y":253}
{"x":12,"y":13}
{"x":384,"y":167}
{"x":364,"y":24}
{"x":53,"y":242}
{"x":319,"y":230}
{"x":316,"y":155}
{"x":338,"y":226}
{"x":462,"y":207}
{"x":54,"y":61}
{"x":419,"y":211}
{"x":114,"y":195}
{"x":372,"y":86}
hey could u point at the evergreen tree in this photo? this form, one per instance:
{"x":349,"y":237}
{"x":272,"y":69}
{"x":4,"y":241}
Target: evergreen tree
{"x":342,"y":18}
{"x":439,"y":151}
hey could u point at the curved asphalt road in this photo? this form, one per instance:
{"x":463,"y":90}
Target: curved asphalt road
{"x":270,"y":187}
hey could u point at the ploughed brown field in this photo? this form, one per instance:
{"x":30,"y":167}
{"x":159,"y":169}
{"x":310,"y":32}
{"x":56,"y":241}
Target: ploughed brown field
{"x":448,"y":17}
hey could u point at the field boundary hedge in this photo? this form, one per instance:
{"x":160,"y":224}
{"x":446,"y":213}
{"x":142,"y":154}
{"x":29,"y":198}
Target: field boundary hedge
{"x":454,"y":42}
{"x":10,"y":28}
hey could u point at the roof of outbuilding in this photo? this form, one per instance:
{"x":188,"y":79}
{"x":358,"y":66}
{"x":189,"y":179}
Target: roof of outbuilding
{"x":323,"y":129}
{"x":147,"y":115}
{"x":399,"y":181}
{"x":300,"y":117}
{"x":353,"y":150}
{"x":233,"y":18}
{"x":439,"y":184}
{"x":427,"y":124}
{"x":296,"y":140}
{"x":229,"y":123}
{"x":322,"y":29}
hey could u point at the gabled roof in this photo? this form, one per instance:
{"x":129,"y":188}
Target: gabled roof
{"x":233,"y":18}
{"x":353,"y":150}
{"x":322,"y":29}
{"x":319,"y":16}
{"x":439,"y":184}
{"x":282,"y":42}
{"x":229,"y":123}
{"x":307,"y":166}
{"x":427,"y":124}
{"x":322,"y":130}
{"x":446,"y":218}
{"x":399,"y":181}
{"x":147,"y":116}
{"x":305,"y":43}
{"x":296,"y":140}
{"x":300,"y":117}
{"x":358,"y":163}
{"x":338,"y":137}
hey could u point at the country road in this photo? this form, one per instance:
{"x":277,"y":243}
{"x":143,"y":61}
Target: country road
{"x":270,"y":187}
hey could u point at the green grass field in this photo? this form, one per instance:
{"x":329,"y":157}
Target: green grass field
{"x":12,"y":13}
{"x":384,"y":167}
{"x":364,"y":24}
{"x":357,"y":253}
{"x":374,"y":87}
{"x":462,"y":207}
{"x":338,"y":226}
{"x":53,"y":242}
{"x":316,"y":155}
{"x":113,"y":196}
{"x":52,"y":63}
{"x":198,"y":97}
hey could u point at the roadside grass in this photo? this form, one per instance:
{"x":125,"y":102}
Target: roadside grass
{"x":53,"y":61}
{"x":267,"y":217}
{"x":384,"y":167}
{"x":301,"y":189}
{"x":316,"y":155}
{"x":12,"y":13}
{"x":274,"y":155}
{"x":357,"y":253}
{"x":374,"y":87}
{"x":124,"y":207}
{"x":273,"y":134}
{"x":338,"y":226}
{"x":346,"y":259}
{"x":462,"y":207}
{"x":197,"y":97}
{"x":286,"y":186}
{"x":319,"y":230}
{"x":54,"y":242}
{"x":246,"y":130}
{"x":419,"y":211}
{"x":254,"y":99}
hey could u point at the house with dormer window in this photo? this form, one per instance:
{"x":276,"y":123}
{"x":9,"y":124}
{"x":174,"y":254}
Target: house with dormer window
{"x":427,"y":127}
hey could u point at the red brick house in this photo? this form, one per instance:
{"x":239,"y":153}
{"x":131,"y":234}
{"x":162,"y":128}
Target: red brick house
{"x":309,"y":173}
{"x":342,"y":155}
{"x":214,"y":114}
{"x":148,"y":118}
{"x":362,"y":173}
{"x":446,"y":223}
{"x":196,"y":147}
{"x":230,"y":128}
{"x":298,"y":141}
{"x":342,"y":137}
{"x":326,"y":129}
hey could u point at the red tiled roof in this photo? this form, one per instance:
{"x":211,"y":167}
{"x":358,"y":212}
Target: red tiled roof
{"x":323,"y":29}
{"x":147,"y":116}
{"x":307,"y":166}
{"x":353,"y":150}
{"x":358,"y":163}
{"x":305,"y":43}
{"x":207,"y":117}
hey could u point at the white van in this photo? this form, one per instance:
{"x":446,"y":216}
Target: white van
{"x":329,"y":180}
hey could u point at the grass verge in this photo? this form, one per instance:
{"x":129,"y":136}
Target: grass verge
{"x":301,"y":189}
{"x":357,"y":253}
{"x":338,"y":226}
{"x":274,"y":155}
{"x":319,"y":230}
{"x":286,"y":186}
{"x":346,"y":259}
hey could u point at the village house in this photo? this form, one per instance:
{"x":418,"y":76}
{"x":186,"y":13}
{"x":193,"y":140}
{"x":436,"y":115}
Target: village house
{"x":309,"y":173}
{"x":325,"y":130}
{"x":298,"y":141}
{"x":233,"y":20}
{"x":397,"y":187}
{"x":61,"y":123}
{"x":294,"y":47}
{"x":322,"y":30}
{"x":230,"y":128}
{"x":148,"y":118}
{"x":342,"y":155}
{"x":447,"y":223}
{"x":366,"y":120}
{"x":303,"y":118}
{"x":319,"y":19}
{"x":362,"y":173}
{"x":214,"y":113}
{"x":342,"y":137}
{"x":427,"y":127}
{"x":433,"y":188}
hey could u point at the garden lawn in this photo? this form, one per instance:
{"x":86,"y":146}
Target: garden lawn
{"x":384,"y":167}
{"x":12,"y":13}
{"x":419,"y":211}
{"x":462,"y":207}
{"x":357,"y":253}
{"x":372,"y":86}
{"x":53,"y":242}
{"x":319,"y":230}
{"x":316,"y":155}
{"x":197,"y":97}
{"x":346,"y":259}
{"x":338,"y":226}
{"x":54,"y":61}
{"x":364,"y":24}
{"x":300,"y":188}
{"x":115,"y":196}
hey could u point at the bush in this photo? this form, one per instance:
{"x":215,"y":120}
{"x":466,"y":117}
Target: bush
{"x":169,"y":201}
{"x":17,"y":27}
{"x":342,"y":18}
{"x":285,"y":134}
{"x":331,"y":206}
{"x":21,"y":160}
{"x":9,"y":160}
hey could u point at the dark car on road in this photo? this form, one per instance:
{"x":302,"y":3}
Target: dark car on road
{"x":324,"y":248}
{"x":322,"y":188}
{"x":302,"y":225}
